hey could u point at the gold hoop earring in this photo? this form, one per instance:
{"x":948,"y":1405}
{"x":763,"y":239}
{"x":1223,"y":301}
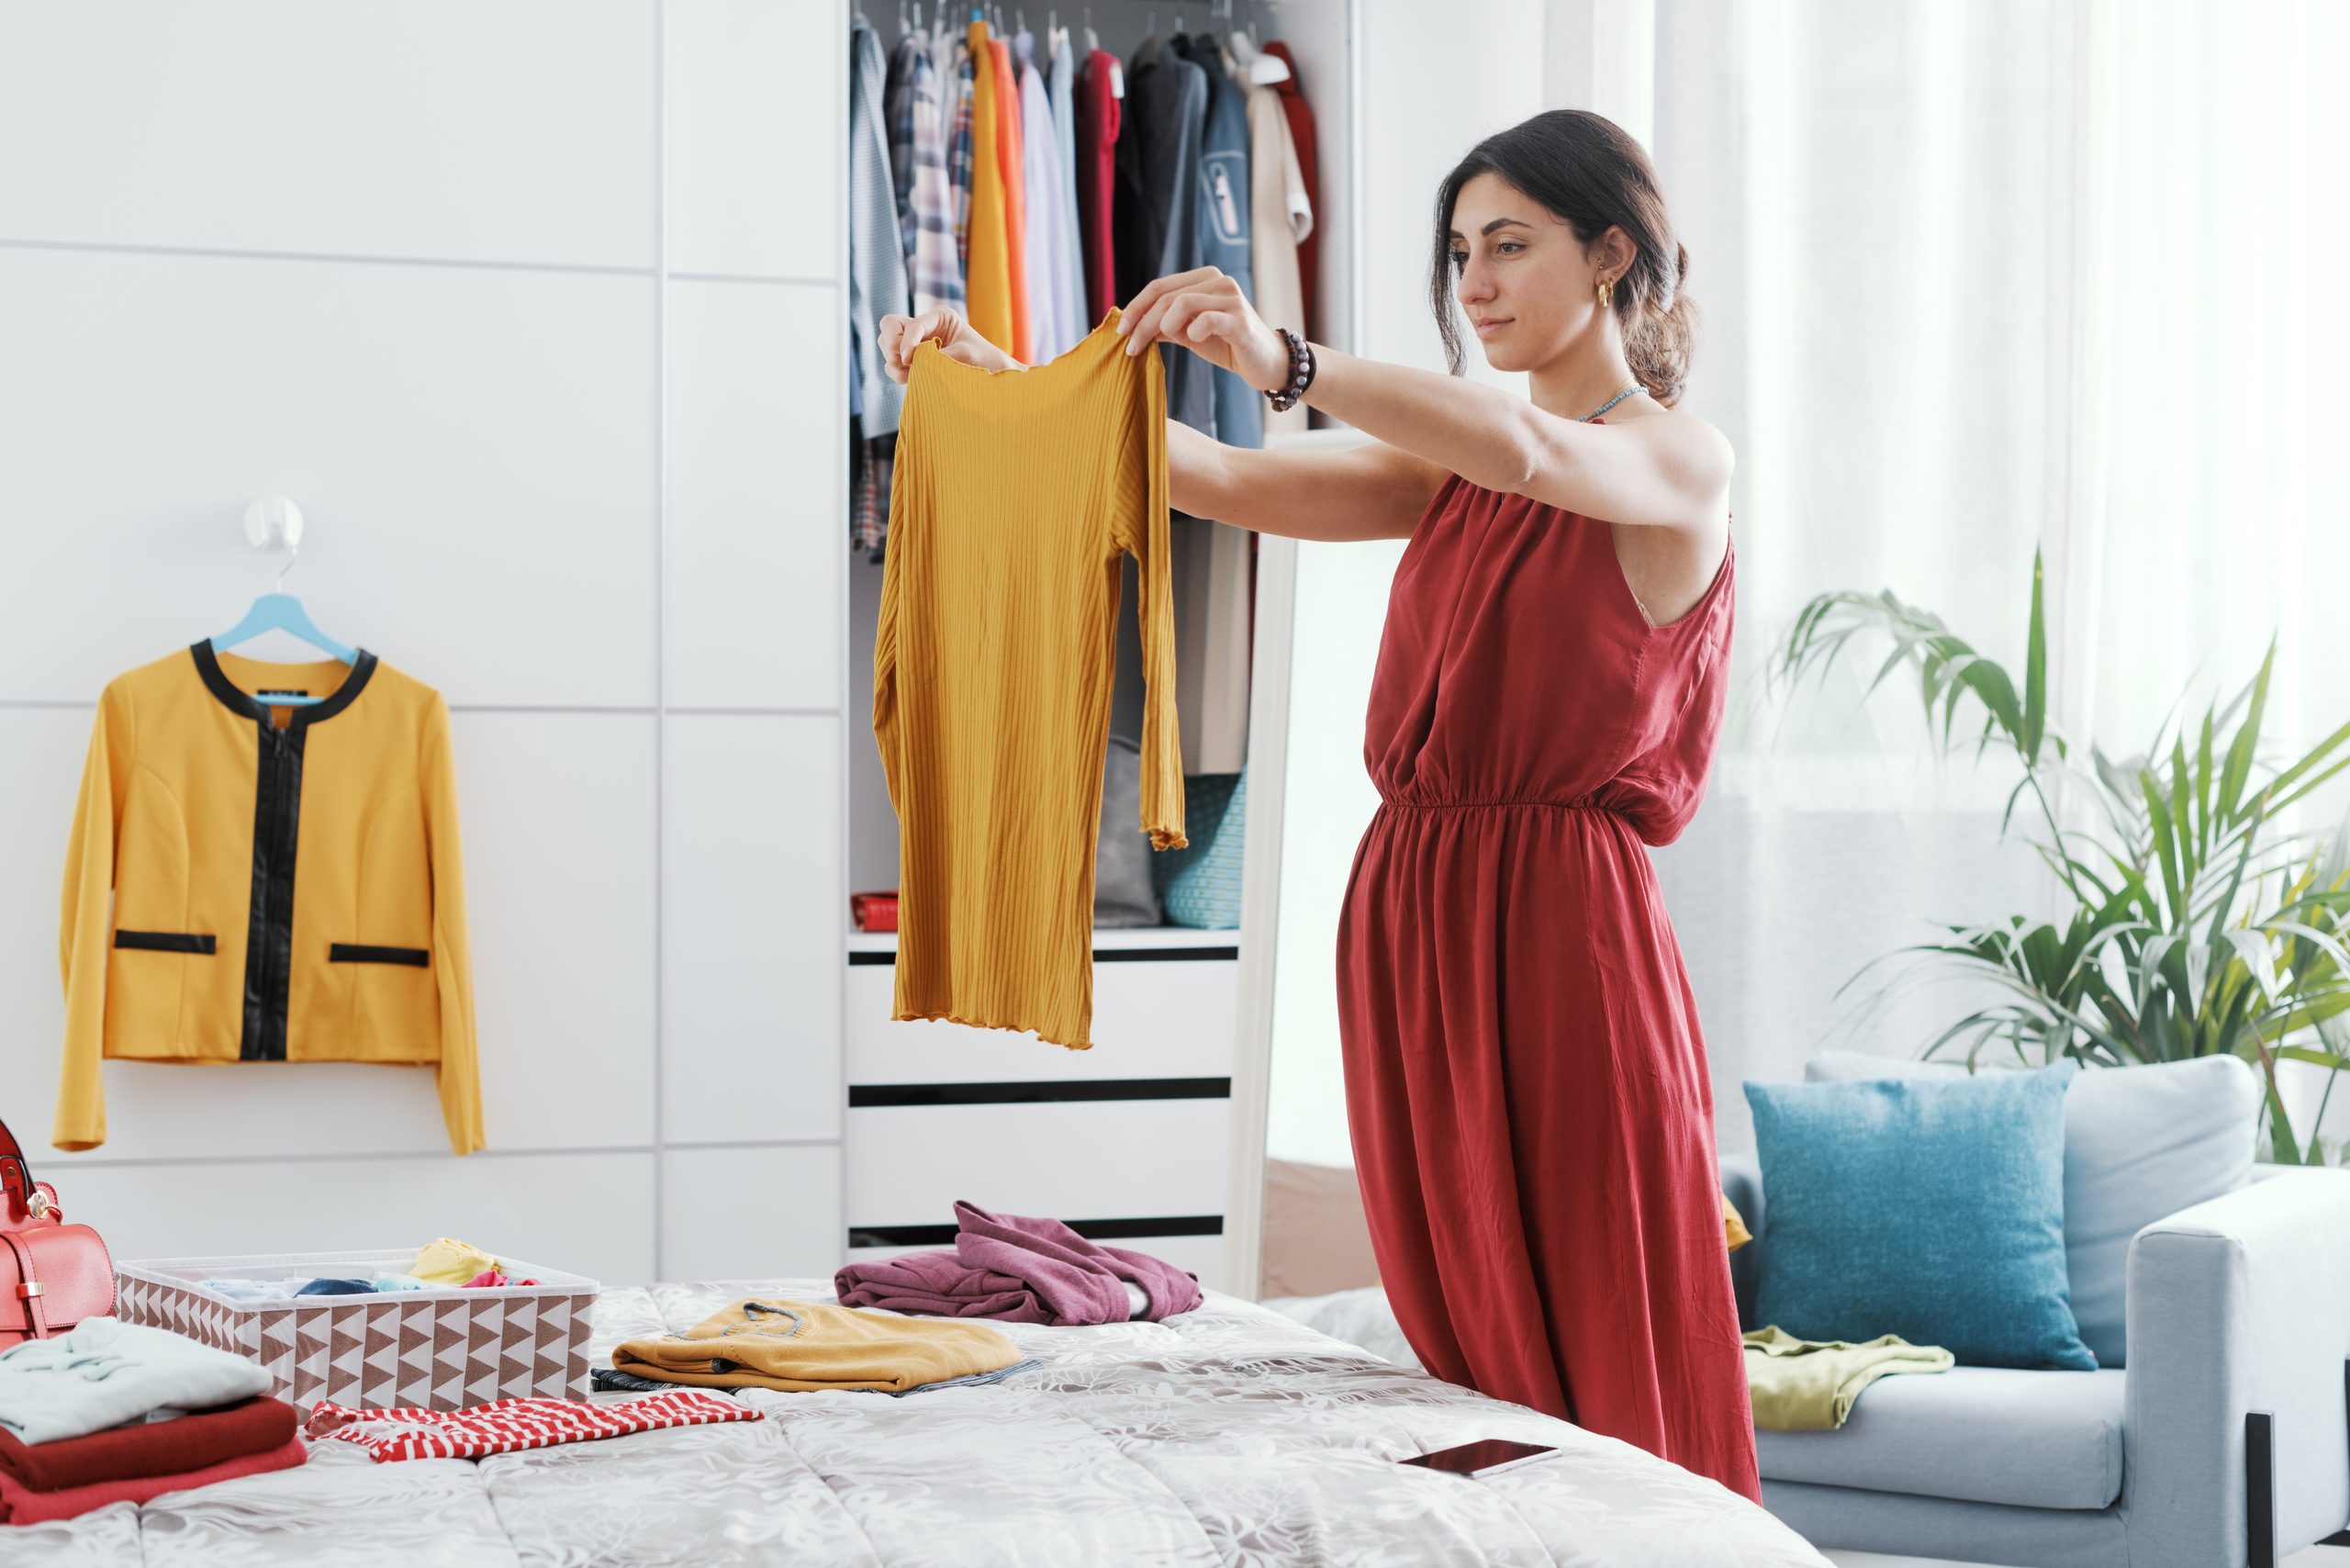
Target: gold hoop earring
{"x":1605,"y":290}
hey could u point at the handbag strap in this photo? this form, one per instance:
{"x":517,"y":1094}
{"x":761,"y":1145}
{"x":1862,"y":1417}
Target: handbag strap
{"x":15,"y":1176}
{"x":29,"y":1287}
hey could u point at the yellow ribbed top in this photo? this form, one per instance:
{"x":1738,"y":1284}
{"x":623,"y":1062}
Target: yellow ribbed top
{"x":1015,"y":493}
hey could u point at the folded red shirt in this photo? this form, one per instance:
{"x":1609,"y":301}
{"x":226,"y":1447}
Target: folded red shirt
{"x":154,"y":1448}
{"x":19,"y":1505}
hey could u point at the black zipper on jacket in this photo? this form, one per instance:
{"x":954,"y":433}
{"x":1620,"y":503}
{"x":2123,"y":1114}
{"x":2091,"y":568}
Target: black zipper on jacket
{"x":277,"y":828}
{"x":269,"y":935}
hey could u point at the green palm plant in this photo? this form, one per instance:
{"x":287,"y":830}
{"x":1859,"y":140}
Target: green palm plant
{"x":2195,"y":924}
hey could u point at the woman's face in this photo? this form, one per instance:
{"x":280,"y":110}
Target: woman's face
{"x":1522,"y":277}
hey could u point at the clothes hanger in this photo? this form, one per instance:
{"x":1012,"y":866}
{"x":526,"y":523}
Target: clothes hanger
{"x":275,"y":521}
{"x":1262,"y":70}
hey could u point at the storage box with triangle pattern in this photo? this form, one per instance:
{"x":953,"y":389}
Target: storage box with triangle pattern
{"x":438,"y":1350}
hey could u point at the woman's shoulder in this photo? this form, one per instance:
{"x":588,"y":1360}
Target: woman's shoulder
{"x":1694,"y":449}
{"x":1680,"y":426}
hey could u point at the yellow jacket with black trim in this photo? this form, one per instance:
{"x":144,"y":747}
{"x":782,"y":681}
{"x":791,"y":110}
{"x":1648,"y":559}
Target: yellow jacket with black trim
{"x":286,"y":883}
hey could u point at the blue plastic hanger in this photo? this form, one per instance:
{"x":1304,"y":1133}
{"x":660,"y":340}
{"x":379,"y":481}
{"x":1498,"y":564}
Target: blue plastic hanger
{"x":281,"y":611}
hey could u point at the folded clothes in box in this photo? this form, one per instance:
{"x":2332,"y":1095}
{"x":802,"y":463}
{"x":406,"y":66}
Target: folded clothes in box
{"x":441,"y":1347}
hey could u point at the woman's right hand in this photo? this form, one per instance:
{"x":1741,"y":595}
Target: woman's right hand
{"x":899,"y":336}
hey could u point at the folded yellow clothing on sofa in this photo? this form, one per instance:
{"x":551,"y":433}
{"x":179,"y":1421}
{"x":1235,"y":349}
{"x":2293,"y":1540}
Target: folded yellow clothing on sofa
{"x":799,"y":1347}
{"x":1809,"y":1386}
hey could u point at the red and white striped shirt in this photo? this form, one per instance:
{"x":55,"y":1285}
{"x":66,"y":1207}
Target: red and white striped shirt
{"x":505,"y":1426}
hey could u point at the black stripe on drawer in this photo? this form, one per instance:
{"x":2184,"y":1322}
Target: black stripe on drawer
{"x":359,"y":953}
{"x":1091,"y":1229}
{"x":165,"y":941}
{"x":863,"y":1096}
{"x":1100,"y":956}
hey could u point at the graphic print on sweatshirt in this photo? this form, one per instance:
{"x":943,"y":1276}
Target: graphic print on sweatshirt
{"x":1222,"y":173}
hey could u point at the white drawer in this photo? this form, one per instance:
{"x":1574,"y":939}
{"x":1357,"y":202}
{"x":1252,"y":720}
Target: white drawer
{"x":1071,"y":1159}
{"x":1152,"y":1018}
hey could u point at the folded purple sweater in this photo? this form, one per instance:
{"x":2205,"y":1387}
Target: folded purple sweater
{"x":1021,"y":1270}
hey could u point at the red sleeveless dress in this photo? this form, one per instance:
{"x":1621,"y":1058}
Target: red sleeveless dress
{"x":1527,"y":1088}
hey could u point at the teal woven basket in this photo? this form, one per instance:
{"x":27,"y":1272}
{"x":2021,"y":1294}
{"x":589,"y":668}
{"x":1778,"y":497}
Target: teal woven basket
{"x":1199,"y":885}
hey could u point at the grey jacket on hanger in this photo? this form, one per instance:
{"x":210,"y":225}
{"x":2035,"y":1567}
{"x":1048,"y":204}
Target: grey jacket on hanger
{"x":1224,"y":196}
{"x":1156,"y":217}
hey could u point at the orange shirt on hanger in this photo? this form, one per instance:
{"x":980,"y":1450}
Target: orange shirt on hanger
{"x":1008,"y":155}
{"x":988,"y":297}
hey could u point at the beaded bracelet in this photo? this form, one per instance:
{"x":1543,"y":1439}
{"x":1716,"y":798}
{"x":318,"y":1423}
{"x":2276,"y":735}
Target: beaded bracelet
{"x":1301,"y":372}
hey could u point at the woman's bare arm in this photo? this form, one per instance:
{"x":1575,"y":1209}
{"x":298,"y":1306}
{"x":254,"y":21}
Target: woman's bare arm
{"x":1668,"y":470}
{"x":1671,"y":472}
{"x":1372,"y":491}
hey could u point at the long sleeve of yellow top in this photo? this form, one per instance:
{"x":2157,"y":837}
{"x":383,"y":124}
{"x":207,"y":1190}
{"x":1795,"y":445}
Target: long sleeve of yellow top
{"x":1015,"y":494}
{"x":249,"y":882}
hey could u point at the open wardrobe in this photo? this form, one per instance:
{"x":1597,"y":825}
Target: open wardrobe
{"x":1144,"y":141}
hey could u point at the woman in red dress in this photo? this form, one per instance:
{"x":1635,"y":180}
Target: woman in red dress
{"x":1527,"y":1085}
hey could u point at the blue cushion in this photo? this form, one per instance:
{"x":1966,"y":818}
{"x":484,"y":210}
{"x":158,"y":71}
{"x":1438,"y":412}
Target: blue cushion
{"x":1930,"y":1209}
{"x":2141,"y":1143}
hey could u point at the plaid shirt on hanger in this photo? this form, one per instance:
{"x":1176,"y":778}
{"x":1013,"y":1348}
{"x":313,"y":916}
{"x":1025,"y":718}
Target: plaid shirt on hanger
{"x":898,"y":113}
{"x":933,"y":260}
{"x":869,"y":521}
{"x":959,"y":159}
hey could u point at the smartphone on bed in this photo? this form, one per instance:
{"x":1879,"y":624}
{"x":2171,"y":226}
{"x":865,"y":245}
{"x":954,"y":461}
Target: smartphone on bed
{"x":1484,"y":1457}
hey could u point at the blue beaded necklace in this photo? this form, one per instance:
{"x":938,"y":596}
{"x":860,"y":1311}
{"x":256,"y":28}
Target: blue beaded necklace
{"x":1611,"y":402}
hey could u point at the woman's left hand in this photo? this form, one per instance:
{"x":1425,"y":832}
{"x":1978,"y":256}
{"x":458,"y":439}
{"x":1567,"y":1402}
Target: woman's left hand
{"x":1205,"y":311}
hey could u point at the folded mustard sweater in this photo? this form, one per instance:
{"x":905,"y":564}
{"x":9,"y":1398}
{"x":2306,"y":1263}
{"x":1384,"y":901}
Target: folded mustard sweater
{"x":799,"y":1347}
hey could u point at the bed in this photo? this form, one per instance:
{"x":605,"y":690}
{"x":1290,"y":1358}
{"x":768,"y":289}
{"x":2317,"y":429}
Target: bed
{"x":1230,"y":1435}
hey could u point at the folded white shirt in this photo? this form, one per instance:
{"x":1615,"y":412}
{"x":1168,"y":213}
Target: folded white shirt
{"x":105,"y":1373}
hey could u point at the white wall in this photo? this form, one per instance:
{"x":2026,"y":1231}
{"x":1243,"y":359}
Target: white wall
{"x":536,"y":309}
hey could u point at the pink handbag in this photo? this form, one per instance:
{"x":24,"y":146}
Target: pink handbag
{"x":53,"y":1275}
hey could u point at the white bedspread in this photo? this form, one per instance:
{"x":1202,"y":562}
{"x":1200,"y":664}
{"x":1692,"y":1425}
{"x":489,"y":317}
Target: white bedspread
{"x":1362,"y":1316}
{"x":1230,"y":1435}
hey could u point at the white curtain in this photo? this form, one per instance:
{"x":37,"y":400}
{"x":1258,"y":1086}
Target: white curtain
{"x":1975,"y":275}
{"x":1978,"y":276}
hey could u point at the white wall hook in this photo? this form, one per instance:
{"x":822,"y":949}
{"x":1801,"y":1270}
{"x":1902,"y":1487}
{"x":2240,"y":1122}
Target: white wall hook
{"x":275,"y":522}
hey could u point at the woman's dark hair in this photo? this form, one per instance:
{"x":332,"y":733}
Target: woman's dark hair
{"x":1588,"y":173}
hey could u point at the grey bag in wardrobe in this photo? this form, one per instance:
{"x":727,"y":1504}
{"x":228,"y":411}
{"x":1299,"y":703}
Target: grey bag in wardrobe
{"x":1123,"y":890}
